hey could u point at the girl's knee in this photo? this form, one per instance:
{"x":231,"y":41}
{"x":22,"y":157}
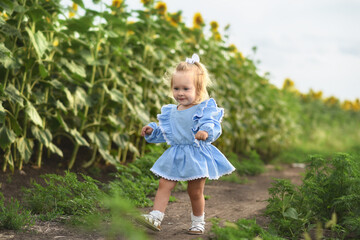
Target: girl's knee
{"x":195,"y":193}
{"x":166,"y":184}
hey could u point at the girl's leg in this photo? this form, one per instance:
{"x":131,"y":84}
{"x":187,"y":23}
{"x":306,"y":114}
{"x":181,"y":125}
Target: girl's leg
{"x":196,"y":193}
{"x":163,"y":194}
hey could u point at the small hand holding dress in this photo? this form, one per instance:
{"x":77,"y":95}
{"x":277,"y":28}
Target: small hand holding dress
{"x":189,"y":158}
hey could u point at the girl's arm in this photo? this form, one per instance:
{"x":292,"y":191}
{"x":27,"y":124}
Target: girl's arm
{"x":210,"y":121}
{"x":156,"y":135}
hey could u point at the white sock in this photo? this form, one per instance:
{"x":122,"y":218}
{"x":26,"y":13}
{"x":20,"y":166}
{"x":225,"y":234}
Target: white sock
{"x":198,"y":218}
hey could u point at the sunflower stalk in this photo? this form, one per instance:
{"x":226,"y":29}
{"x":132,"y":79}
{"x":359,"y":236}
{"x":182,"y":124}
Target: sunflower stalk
{"x":124,"y":155}
{"x":86,"y":111}
{"x":99,"y":118}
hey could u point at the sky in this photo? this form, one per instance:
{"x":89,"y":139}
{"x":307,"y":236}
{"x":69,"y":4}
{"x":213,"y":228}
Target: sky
{"x":316,"y":43}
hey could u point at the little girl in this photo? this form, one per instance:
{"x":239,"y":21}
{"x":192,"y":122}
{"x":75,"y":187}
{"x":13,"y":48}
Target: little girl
{"x":189,"y":127}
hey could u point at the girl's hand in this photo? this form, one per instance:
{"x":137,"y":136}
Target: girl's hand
{"x":147,"y":130}
{"x":201,"y":135}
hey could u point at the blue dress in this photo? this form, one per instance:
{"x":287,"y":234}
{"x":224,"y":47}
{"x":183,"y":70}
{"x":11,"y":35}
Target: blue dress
{"x":188,"y":158}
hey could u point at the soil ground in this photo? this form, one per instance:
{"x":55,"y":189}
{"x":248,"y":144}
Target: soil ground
{"x":227,"y":201}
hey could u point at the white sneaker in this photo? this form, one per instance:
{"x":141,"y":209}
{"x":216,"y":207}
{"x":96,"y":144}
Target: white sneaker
{"x":197,"y":225}
{"x":152,"y":220}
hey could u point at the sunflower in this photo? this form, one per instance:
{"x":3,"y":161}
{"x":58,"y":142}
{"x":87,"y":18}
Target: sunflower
{"x":331,"y":100}
{"x":198,"y":20}
{"x":288,"y":83}
{"x":174,"y":19}
{"x":56,"y":42}
{"x":116,"y":3}
{"x":347,"y":105}
{"x":233,"y":48}
{"x":356,"y":105}
{"x":161,"y":7}
{"x":214,"y":26}
{"x":217,"y":36}
{"x":74,"y":7}
{"x":146,"y":2}
{"x":71,"y":14}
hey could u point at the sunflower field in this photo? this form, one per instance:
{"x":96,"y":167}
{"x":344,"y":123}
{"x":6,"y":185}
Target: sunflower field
{"x":80,"y":87}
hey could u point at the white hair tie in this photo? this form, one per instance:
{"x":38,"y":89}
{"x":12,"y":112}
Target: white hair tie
{"x":195,"y":58}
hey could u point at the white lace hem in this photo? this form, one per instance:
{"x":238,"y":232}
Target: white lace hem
{"x":190,"y":178}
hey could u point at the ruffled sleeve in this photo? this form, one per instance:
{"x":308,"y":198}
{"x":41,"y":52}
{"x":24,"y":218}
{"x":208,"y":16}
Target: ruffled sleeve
{"x":156,"y":136}
{"x":208,"y":118}
{"x":162,"y":132}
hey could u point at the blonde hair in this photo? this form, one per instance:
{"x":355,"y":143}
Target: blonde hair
{"x":201,"y":79}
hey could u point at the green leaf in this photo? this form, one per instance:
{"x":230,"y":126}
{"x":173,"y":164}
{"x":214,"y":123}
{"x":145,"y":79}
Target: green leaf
{"x":56,"y":84}
{"x":7,"y":5}
{"x":116,"y":95}
{"x":9,"y":159}
{"x":14,"y":95}
{"x":133,"y":149}
{"x":74,"y":68}
{"x":37,"y":13}
{"x":43,"y":136}
{"x":54,"y":149}
{"x":62,"y":122}
{"x":81,"y":97}
{"x":60,"y":106}
{"x":6,"y":57}
{"x":101,"y":139}
{"x":43,"y":72}
{"x":142,"y":115}
{"x":70,"y":98}
{"x":291,"y":213}
{"x":107,"y":156}
{"x":25,"y":147}
{"x":120,"y":140}
{"x":14,"y":124}
{"x":79,"y":2}
{"x":7,"y":137}
{"x":39,"y":42}
{"x":33,"y":114}
{"x":78,"y":138}
{"x":80,"y":25}
{"x":116,"y":121}
{"x":2,"y":113}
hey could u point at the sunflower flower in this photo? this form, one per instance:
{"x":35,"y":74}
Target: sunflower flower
{"x":233,"y":48}
{"x":331,"y":100}
{"x":6,"y":17}
{"x":174,"y":19}
{"x":356,"y":105}
{"x":217,"y":36}
{"x":288,"y":84}
{"x":161,"y":7}
{"x":116,"y":3}
{"x":198,"y":20}
{"x":146,"y":2}
{"x":56,"y":42}
{"x":74,"y":7}
{"x":214,"y":26}
{"x":347,"y":105}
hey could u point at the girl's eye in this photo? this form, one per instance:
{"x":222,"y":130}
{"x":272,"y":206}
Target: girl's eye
{"x":176,"y":88}
{"x":186,"y":89}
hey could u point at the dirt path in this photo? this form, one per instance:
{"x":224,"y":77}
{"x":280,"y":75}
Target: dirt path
{"x":228,"y":201}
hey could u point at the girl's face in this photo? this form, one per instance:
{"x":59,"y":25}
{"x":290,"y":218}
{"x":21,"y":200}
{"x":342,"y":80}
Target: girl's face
{"x":183,"y":88}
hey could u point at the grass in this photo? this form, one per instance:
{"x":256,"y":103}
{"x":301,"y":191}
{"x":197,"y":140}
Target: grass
{"x":13,"y":216}
{"x":330,"y":186}
{"x":241,"y":229}
{"x":63,"y":195}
